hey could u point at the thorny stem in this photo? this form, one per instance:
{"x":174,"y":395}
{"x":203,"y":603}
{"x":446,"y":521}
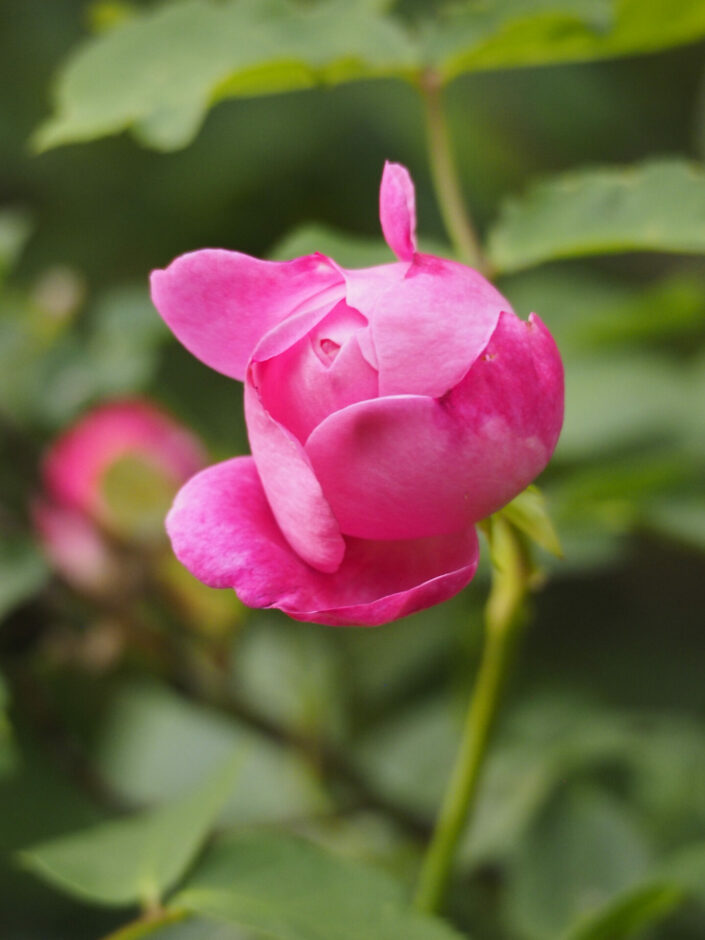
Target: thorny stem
{"x":503,"y":615}
{"x":444,"y":172}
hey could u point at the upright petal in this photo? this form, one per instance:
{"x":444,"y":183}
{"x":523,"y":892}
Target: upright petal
{"x":397,"y":210}
{"x":222,"y":529}
{"x":220,"y":303}
{"x":294,"y":493}
{"x":429,"y":327}
{"x":408,"y":466}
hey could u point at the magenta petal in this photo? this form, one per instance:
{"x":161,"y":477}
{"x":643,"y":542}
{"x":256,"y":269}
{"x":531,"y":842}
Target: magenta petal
{"x":220,"y":303}
{"x":410,"y":466}
{"x":397,"y":210}
{"x":223,"y":531}
{"x":294,"y":493}
{"x":430,"y":327}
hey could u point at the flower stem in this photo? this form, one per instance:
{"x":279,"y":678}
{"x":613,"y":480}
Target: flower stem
{"x":503,"y":615}
{"x":444,"y":172}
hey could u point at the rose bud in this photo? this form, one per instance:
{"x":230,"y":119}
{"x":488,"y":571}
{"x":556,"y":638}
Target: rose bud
{"x":389,"y":409}
{"x":107,"y":477}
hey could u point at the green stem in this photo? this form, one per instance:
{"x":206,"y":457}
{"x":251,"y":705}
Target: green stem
{"x":445,"y":175}
{"x":502,"y":617}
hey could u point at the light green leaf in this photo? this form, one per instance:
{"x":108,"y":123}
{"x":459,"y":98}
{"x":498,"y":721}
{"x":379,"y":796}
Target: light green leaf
{"x":655,"y":206}
{"x":136,"y":859}
{"x":192,"y":928}
{"x":23,"y":572}
{"x":507,"y":33}
{"x":284,"y":888}
{"x":146,"y":731}
{"x":629,"y":913}
{"x":161,"y":71}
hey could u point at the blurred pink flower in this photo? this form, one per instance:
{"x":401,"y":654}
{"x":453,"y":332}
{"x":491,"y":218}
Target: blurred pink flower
{"x":389,"y":409}
{"x":72,"y":515}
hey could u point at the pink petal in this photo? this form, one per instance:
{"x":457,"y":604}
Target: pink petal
{"x":412,"y":466}
{"x":294,"y":493}
{"x":430,"y":327}
{"x":321,"y":373}
{"x":397,"y":210}
{"x":75,"y":547}
{"x":75,"y":463}
{"x":220,"y":303}
{"x":223,"y":531}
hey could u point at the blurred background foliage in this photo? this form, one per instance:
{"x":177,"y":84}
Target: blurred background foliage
{"x":120,"y":712}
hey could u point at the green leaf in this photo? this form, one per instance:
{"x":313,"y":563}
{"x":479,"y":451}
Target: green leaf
{"x":285,"y":888}
{"x":193,"y":928}
{"x":629,"y":913}
{"x":655,"y":206}
{"x":23,"y":572}
{"x":529,"y":513}
{"x":509,"y":33}
{"x":137,"y":859}
{"x":582,"y":851}
{"x":348,"y":249}
{"x":147,"y":730}
{"x":15,"y":229}
{"x":161,"y":71}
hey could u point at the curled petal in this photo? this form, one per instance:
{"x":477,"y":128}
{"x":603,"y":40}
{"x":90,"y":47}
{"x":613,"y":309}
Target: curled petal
{"x":223,"y":531}
{"x":220,"y":303}
{"x":397,"y":210}
{"x":431,"y":326}
{"x":410,"y":466}
{"x":294,"y":493}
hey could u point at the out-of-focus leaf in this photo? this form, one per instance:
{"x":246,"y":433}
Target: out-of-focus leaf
{"x":118,"y":356}
{"x":655,"y":206}
{"x":581,"y":851}
{"x":192,"y":928}
{"x":508,"y":33}
{"x":679,"y":517}
{"x":291,"y":676}
{"x":147,"y":730}
{"x":629,"y":913}
{"x":23,"y":572}
{"x":618,"y":400}
{"x":15,"y":229}
{"x":137,"y":859}
{"x":7,"y":749}
{"x":289,"y":889}
{"x":162,"y":70}
{"x":352,"y":251}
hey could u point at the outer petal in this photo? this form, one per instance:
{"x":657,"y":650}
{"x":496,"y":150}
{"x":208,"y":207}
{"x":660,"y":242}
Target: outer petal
{"x":397,"y":210}
{"x":430,"y":327}
{"x":411,"y":466}
{"x":220,"y":303}
{"x":223,"y":531}
{"x":294,"y":493}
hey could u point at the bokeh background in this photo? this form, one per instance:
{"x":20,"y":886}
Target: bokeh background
{"x":126,"y":694}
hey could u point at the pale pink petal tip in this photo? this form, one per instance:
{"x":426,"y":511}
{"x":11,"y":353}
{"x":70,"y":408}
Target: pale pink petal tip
{"x":223,"y":531}
{"x":397,"y":210}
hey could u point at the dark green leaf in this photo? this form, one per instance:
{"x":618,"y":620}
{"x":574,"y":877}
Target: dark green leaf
{"x":628,"y":914}
{"x":136,"y":859}
{"x":23,"y":572}
{"x":655,"y":206}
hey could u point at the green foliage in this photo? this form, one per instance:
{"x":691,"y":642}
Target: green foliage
{"x":136,"y":859}
{"x":23,"y":572}
{"x":658,"y":206}
{"x":161,"y":72}
{"x":289,"y":889}
{"x":509,"y":33}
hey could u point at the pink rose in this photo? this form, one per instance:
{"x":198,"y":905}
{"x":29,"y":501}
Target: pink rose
{"x":389,"y":409}
{"x":73,"y":516}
